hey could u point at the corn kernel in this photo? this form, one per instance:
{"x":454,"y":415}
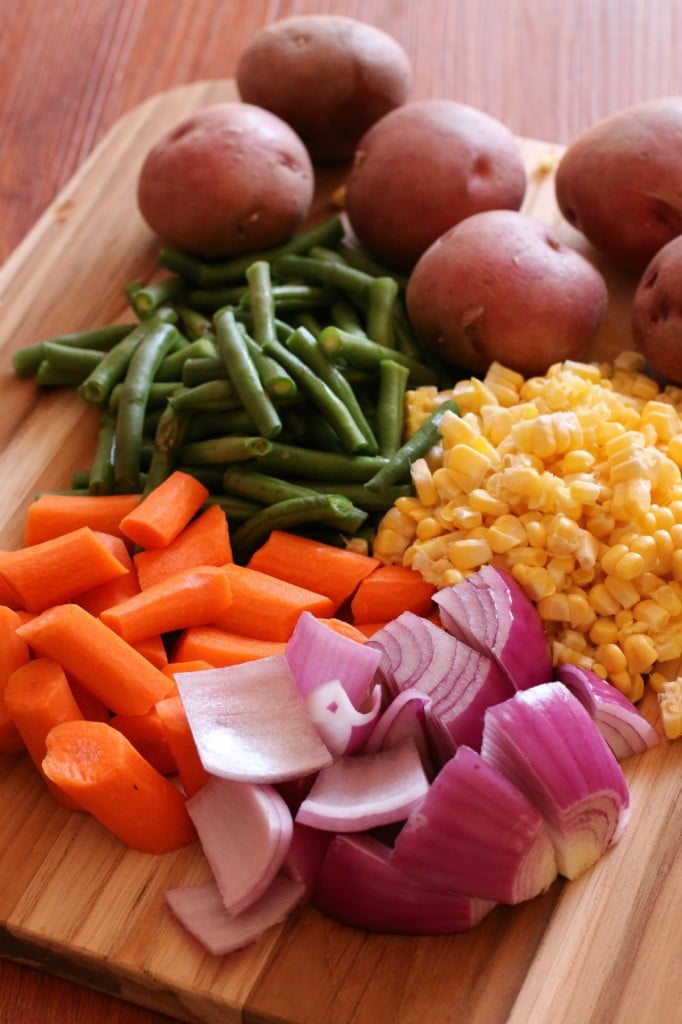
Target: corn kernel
{"x":603,"y":631}
{"x":505,"y":533}
{"x":422,"y":479}
{"x":652,"y":614}
{"x":667,"y":598}
{"x":670,"y":704}
{"x":466,"y":518}
{"x":482,"y":501}
{"x":629,"y":566}
{"x":467,"y":466}
{"x":428,"y":527}
{"x":640,"y":653}
{"x":623,"y":591}
{"x":554,"y":608}
{"x":469,"y":553}
{"x":623,"y":682}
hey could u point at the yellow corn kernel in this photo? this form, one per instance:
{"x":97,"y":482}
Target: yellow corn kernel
{"x":645,"y":546}
{"x":496,"y":423}
{"x":526,"y":555}
{"x":603,"y":631}
{"x":554,"y":608}
{"x":662,"y":417}
{"x":601,"y":524}
{"x":581,"y":615}
{"x":623,"y":591}
{"x":652,"y":614}
{"x":428,"y":527}
{"x":537,"y":582}
{"x":623,"y":682}
{"x":451,"y":577}
{"x":588,"y":550}
{"x":666,"y":596}
{"x":563,"y":536}
{"x":504,"y":383}
{"x":396,"y":519}
{"x":447,"y":486}
{"x":505,"y":533}
{"x":612,"y":556}
{"x":389,"y":545}
{"x":668,"y":645}
{"x":629,"y":566}
{"x":536,"y":529}
{"x":640,"y":652}
{"x":484,"y":503}
{"x":657,"y":681}
{"x":631,"y":498}
{"x":472,"y":394}
{"x":670,"y":704}
{"x":466,"y":518}
{"x":468,"y":466}
{"x":603,"y":602}
{"x":583,"y":491}
{"x":470,"y":553}
{"x":456,"y":429}
{"x":676,"y":564}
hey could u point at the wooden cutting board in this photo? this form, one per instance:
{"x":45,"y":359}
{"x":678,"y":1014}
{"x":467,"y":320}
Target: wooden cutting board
{"x":76,"y":903}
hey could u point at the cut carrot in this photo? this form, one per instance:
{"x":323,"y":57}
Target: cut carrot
{"x":195,"y":665}
{"x":91,"y":707}
{"x":369,"y":628}
{"x":154,"y":650}
{"x":345,"y":629}
{"x":204,"y":541}
{"x":389,"y":591}
{"x":114,"y":591}
{"x":38,"y":697}
{"x":14,"y":652}
{"x":51,"y":515}
{"x":147,"y":735}
{"x":57,"y":570}
{"x":193,"y":775}
{"x":99,"y":768}
{"x":265,"y":607}
{"x":220,"y":648}
{"x":335,"y":572}
{"x":165,"y":511}
{"x":96,"y":657}
{"x":193,"y":597}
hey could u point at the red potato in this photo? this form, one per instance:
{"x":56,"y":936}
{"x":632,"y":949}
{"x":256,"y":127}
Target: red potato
{"x":619,"y":183}
{"x":501,"y":286}
{"x":230,"y":179}
{"x":422,"y":169}
{"x":657,"y":312}
{"x":330,"y":77}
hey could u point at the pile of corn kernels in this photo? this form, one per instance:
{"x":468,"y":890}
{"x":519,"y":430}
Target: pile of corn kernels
{"x":572,"y":482}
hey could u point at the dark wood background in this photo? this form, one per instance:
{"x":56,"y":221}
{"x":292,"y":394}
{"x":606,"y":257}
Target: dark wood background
{"x":70,"y":68}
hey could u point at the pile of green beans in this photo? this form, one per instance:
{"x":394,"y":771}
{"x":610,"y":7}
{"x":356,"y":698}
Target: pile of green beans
{"x":278,"y":379}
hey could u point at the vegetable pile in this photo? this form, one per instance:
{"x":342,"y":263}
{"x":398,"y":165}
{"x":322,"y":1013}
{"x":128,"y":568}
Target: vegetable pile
{"x":176,"y":696}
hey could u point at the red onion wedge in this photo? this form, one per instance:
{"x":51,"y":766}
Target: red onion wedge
{"x":305,"y":855}
{"x":475,"y":833}
{"x":250,"y":722}
{"x":317,"y":654}
{"x":545,"y":742}
{"x":360,"y":885}
{"x":512,"y":634}
{"x":460,"y":681}
{"x":404,"y":718}
{"x":201,"y":911}
{"x":626,"y":731}
{"x":364,"y":791}
{"x":343,"y":727}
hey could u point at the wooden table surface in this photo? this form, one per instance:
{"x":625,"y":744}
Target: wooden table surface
{"x":70,"y":68}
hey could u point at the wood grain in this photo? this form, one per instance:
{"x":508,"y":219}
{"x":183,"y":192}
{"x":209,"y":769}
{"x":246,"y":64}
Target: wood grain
{"x":68,"y":72}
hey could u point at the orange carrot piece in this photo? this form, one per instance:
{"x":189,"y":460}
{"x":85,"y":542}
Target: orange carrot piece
{"x":114,"y":591}
{"x":192,"y":597}
{"x":103,"y":772}
{"x":57,"y":570}
{"x":369,"y":628}
{"x":389,"y":591}
{"x":38,"y":697}
{"x":91,"y":707}
{"x":195,"y":665}
{"x":97,"y":658}
{"x":219,"y":647}
{"x":154,"y":650}
{"x":265,"y":607}
{"x":14,"y":652}
{"x":193,"y":775}
{"x":147,"y":735}
{"x":335,"y":572}
{"x":165,"y":511}
{"x":204,"y":541}
{"x":51,"y":515}
{"x":345,"y":629}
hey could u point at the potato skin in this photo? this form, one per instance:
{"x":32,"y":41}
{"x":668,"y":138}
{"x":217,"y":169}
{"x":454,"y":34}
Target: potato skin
{"x":619,"y":182}
{"x":230,"y":179}
{"x":422,"y":169}
{"x":330,"y":77}
{"x":657,"y":312}
{"x":501,"y":286}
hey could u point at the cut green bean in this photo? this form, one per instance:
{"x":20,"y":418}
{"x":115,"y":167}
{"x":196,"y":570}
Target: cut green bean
{"x":237,"y":510}
{"x":157,"y":340}
{"x":383,"y":293}
{"x":145,"y":299}
{"x":225,"y":449}
{"x":101,"y":476}
{"x":78,"y":361}
{"x":330,"y":509}
{"x":390,"y":410}
{"x":99,"y":384}
{"x":168,"y":438}
{"x":274,"y":378}
{"x":159,"y":393}
{"x":371,"y":501}
{"x":216,"y":395}
{"x":209,"y":300}
{"x":172,"y":366}
{"x":299,"y":461}
{"x":244,"y":376}
{"x":292,"y":298}
{"x":366,"y":355}
{"x":49,"y":376}
{"x":335,"y":274}
{"x":25,"y":361}
{"x":261,"y":487}
{"x":261,"y":302}
{"x":361,"y":261}
{"x":397,"y":468}
{"x":194,"y":324}
{"x":202,"y":371}
{"x":344,"y":315}
{"x":203,"y":425}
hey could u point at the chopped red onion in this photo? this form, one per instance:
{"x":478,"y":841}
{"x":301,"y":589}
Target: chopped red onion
{"x":545,"y":742}
{"x":245,"y":831}
{"x":490,"y":611}
{"x":364,"y":791}
{"x":475,"y":833}
{"x":360,"y":885}
{"x":624,"y":728}
{"x":343,"y":728}
{"x":317,"y":654}
{"x":306,"y":852}
{"x":460,"y":681}
{"x":404,"y":718}
{"x":200,"y":909}
{"x":250,"y":722}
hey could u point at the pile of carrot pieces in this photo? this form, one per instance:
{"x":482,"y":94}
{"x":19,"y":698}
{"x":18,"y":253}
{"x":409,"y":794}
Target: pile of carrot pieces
{"x":111,"y":596}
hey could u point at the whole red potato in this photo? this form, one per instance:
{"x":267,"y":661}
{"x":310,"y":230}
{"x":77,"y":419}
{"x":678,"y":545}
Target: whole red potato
{"x":423,"y":168}
{"x":230,"y":179}
{"x":330,"y":77}
{"x":657,"y":312}
{"x":501,"y":286}
{"x":620,"y":183}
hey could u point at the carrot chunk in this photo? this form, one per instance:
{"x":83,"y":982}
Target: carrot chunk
{"x":389,"y":591}
{"x":14,"y":652}
{"x":147,"y":735}
{"x":164,"y":512}
{"x":96,"y":657}
{"x":265,"y":607}
{"x":100,"y":769}
{"x":193,"y":775}
{"x":96,"y":599}
{"x":51,"y":515}
{"x":220,"y":648}
{"x":204,"y":541}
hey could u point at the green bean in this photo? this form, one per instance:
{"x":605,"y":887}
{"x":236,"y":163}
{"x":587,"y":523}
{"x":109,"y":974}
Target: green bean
{"x":204,"y":425}
{"x":274,"y":378}
{"x":361,"y":261}
{"x":225,"y":449}
{"x":158,"y":338}
{"x":172,"y":366}
{"x":293,"y":297}
{"x":237,"y":510}
{"x":330,"y":509}
{"x":49,"y":376}
{"x":390,"y":411}
{"x":344,"y":315}
{"x":397,"y":467}
{"x":261,"y":487}
{"x":308,"y":320}
{"x":337,"y":275}
{"x":306,"y":348}
{"x":101,"y":476}
{"x":209,"y":300}
{"x":200,"y":371}
{"x":169,"y":436}
{"x":79,"y":361}
{"x":371,"y":501}
{"x":25,"y":361}
{"x":299,"y":461}
{"x":366,"y":355}
{"x":216,"y":395}
{"x":195,"y":325}
{"x":322,"y":397}
{"x":145,"y":299}
{"x":383,"y":293}
{"x":112,"y":369}
{"x":243,"y":374}
{"x":159,"y":393}
{"x":261,"y":302}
